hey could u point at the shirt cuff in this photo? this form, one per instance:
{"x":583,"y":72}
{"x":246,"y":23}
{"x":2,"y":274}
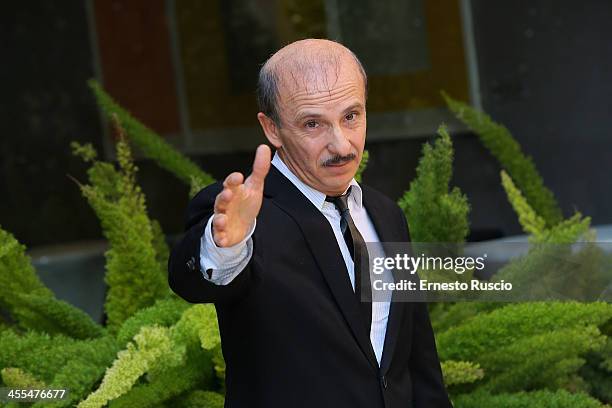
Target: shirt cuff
{"x":224,"y":263}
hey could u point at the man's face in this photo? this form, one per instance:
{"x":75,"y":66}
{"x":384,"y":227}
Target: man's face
{"x":323,"y":127}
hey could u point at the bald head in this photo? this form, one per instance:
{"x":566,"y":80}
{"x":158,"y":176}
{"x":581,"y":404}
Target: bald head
{"x":311,"y":64}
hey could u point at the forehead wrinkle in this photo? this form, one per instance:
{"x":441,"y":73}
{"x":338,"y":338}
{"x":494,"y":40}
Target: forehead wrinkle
{"x":332,"y":96}
{"x":298,"y":93}
{"x":342,"y":102}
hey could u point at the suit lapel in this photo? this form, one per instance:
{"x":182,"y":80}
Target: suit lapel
{"x":324,"y":247}
{"x":384,"y":225}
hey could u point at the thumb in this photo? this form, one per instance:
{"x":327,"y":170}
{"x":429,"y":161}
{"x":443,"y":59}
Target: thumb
{"x":261,"y":166}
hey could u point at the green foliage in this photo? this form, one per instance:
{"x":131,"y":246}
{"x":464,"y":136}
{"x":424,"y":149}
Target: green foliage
{"x":202,"y":399}
{"x":59,"y":361}
{"x":169,"y":384}
{"x":447,"y":315}
{"x":460,"y":372}
{"x":157,"y":349}
{"x":606,"y":356}
{"x":17,"y":275}
{"x":151,"y":144}
{"x":434,"y":214}
{"x":553,"y":269}
{"x":491,"y":334}
{"x":565,"y":231}
{"x":199,"y":324}
{"x":135,"y":275}
{"x":82,"y":373}
{"x":152,"y":346}
{"x":56,"y":317}
{"x":362,"y":165}
{"x":597,"y":372}
{"x":559,"y":271}
{"x":569,"y":230}
{"x":196,"y":332}
{"x":17,"y":378}
{"x":515,"y":367}
{"x":165,"y":312}
{"x":527,"y":346}
{"x":535,"y":399}
{"x":29,"y":302}
{"x":503,"y":326}
{"x":599,"y":382}
{"x":86,"y":152}
{"x":498,"y":140}
{"x":531,"y":222}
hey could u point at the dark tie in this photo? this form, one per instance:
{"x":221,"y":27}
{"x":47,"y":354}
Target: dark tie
{"x":359,"y":252}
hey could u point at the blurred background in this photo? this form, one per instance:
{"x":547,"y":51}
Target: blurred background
{"x":188,"y":69}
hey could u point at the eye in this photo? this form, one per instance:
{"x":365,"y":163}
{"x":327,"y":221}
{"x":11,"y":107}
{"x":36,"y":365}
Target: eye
{"x":351,"y":116}
{"x":311,"y":124}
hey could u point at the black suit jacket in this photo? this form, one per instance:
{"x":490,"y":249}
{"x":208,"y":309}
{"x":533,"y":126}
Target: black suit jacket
{"x":290,"y":323}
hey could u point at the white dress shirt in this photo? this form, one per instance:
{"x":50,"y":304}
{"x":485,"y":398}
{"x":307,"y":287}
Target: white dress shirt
{"x":226,"y":263}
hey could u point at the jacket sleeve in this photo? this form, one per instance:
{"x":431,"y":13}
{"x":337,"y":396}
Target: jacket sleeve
{"x":427,"y":381}
{"x":185,"y":274}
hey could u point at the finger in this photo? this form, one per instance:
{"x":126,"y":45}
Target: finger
{"x":219,"y":223}
{"x":219,"y":235}
{"x":261,"y":166}
{"x":222,"y":200}
{"x":219,"y":230}
{"x":233,"y":180}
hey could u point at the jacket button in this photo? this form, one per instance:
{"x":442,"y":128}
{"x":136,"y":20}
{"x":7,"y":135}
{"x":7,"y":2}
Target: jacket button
{"x":383,"y":381}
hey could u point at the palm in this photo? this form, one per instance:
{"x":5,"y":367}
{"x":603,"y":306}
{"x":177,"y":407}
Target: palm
{"x":237,"y":206}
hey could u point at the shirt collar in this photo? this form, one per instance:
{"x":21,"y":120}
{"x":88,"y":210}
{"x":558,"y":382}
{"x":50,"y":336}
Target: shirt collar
{"x":316,"y":197}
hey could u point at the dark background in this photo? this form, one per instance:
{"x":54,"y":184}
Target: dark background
{"x":545,"y":71}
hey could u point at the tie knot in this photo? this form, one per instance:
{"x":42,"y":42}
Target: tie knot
{"x":341,"y":201}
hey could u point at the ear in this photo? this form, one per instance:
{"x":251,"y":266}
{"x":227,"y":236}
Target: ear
{"x":270,"y":129}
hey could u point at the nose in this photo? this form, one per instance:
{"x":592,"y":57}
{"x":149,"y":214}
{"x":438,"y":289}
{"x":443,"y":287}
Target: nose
{"x":340,"y":142}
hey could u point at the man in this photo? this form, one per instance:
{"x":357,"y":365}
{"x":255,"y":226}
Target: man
{"x":276,"y":254}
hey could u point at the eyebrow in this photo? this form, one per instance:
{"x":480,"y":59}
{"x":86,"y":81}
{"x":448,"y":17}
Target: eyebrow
{"x":307,"y":115}
{"x":314,"y":115}
{"x":355,"y":106}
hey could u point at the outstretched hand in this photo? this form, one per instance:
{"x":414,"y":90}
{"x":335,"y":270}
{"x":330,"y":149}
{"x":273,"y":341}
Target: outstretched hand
{"x":237,"y":206}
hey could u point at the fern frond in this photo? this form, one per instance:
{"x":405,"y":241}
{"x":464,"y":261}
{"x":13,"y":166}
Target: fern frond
{"x":150,"y":143}
{"x":498,"y":140}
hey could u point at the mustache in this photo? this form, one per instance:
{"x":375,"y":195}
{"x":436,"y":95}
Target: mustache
{"x":338,"y":159}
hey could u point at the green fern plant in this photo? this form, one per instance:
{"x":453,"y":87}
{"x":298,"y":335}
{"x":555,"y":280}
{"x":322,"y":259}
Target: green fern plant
{"x":526,"y":346}
{"x":499,"y":141}
{"x":564,"y":231}
{"x":135,"y":275}
{"x":151,"y":144}
{"x":32,"y":305}
{"x":460,"y":372}
{"x":155,"y":347}
{"x":533,"y":399}
{"x":434,"y":213}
